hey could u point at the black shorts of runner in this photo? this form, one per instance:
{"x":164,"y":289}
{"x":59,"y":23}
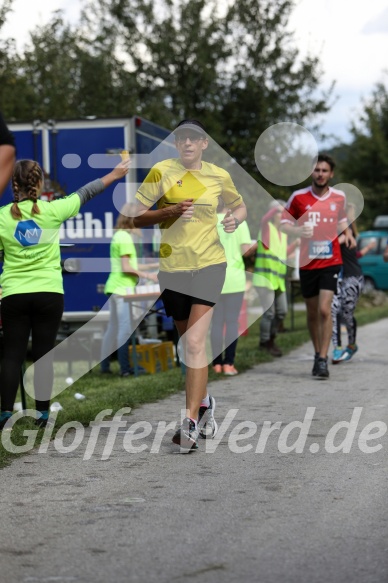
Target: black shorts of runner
{"x":313,"y":280}
{"x":182,"y":289}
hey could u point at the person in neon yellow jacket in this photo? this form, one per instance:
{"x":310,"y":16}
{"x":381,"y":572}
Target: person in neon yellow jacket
{"x":269,"y":276}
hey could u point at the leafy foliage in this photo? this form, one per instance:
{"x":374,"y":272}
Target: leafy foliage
{"x":365,"y":160}
{"x":235,"y":69}
{"x":231,"y":64}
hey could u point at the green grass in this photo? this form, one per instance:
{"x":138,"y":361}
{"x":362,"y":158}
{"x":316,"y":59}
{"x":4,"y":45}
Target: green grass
{"x":113,"y":392}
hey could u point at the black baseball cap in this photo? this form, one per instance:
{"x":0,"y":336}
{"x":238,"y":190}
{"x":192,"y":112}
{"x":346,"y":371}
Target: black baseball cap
{"x":190,"y":124}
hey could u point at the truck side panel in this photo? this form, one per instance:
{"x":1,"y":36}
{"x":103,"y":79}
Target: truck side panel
{"x":92,"y":229}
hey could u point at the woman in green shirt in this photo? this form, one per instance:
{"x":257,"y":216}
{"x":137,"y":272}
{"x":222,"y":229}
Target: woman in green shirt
{"x":122,"y":279}
{"x":227,"y":310}
{"x":32,"y":286}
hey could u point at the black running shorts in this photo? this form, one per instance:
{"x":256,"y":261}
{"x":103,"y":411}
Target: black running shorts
{"x":313,"y":280}
{"x":181,"y":289}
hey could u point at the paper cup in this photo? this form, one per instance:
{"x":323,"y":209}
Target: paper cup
{"x":309,"y":224}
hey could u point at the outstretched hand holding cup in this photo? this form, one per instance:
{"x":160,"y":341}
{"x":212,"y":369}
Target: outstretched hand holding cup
{"x":117,"y":173}
{"x":121,"y":169}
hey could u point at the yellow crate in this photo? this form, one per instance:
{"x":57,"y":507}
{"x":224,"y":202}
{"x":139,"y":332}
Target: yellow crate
{"x":148,"y":357}
{"x":154,"y":357}
{"x":167,"y":355}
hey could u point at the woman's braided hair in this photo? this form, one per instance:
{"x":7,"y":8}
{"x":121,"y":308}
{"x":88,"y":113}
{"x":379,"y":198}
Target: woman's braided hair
{"x":27,"y":180}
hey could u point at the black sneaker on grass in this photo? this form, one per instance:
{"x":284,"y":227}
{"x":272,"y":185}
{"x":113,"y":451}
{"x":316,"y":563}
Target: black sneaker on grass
{"x":186,"y":435}
{"x":127,"y":373}
{"x":43,"y":418}
{"x":322,"y":370}
{"x":207,"y":425}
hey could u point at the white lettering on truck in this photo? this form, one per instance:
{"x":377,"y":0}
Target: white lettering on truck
{"x":85,"y":226}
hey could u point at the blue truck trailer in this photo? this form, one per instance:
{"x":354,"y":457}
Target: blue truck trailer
{"x":69,"y":153}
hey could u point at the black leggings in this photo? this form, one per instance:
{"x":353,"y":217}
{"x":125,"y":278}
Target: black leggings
{"x":38,"y":314}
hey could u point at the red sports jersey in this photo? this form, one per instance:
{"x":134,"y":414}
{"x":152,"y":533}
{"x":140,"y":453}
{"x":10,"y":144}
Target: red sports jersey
{"x":326,"y":212}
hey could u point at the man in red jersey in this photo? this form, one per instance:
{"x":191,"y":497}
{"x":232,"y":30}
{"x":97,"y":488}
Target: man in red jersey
{"x":317,"y":214}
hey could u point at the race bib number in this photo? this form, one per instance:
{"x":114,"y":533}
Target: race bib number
{"x":323,"y":249}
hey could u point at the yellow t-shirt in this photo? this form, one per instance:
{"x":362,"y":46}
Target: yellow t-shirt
{"x":189,"y":244}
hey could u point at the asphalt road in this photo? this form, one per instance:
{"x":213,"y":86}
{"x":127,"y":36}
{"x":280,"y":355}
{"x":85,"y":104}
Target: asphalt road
{"x":263,"y":513}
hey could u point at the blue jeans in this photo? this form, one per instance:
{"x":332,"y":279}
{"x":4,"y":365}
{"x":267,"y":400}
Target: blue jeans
{"x":117,"y":335}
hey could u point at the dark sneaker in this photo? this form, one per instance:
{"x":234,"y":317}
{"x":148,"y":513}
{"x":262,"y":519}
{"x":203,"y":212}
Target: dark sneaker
{"x":43,"y":419}
{"x":322,"y":370}
{"x":187,"y":435}
{"x":271,"y":347}
{"x":127,"y":373}
{"x":207,"y":425}
{"x":314,"y":372}
{"x":276,"y":351}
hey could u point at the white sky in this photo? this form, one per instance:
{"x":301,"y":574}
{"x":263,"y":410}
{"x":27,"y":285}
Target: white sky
{"x":351,"y":38}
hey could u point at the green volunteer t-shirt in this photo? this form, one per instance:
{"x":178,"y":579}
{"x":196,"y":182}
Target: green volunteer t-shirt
{"x":118,"y":282}
{"x":235,"y":272}
{"x":32,"y":259}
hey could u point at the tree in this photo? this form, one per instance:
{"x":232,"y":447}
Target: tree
{"x":269,"y":83}
{"x":60,"y":75}
{"x":175,"y":63}
{"x":366,"y":157}
{"x":235,"y":69}
{"x":231,"y":64}
{"x":8,"y":63}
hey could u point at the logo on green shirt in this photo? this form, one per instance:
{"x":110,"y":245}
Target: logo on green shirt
{"x":27,"y":233}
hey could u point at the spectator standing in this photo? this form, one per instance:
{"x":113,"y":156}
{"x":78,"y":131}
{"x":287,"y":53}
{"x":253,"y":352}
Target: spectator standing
{"x":122,"y":279}
{"x":227,"y":310}
{"x":269,"y":276}
{"x":32,"y":284}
